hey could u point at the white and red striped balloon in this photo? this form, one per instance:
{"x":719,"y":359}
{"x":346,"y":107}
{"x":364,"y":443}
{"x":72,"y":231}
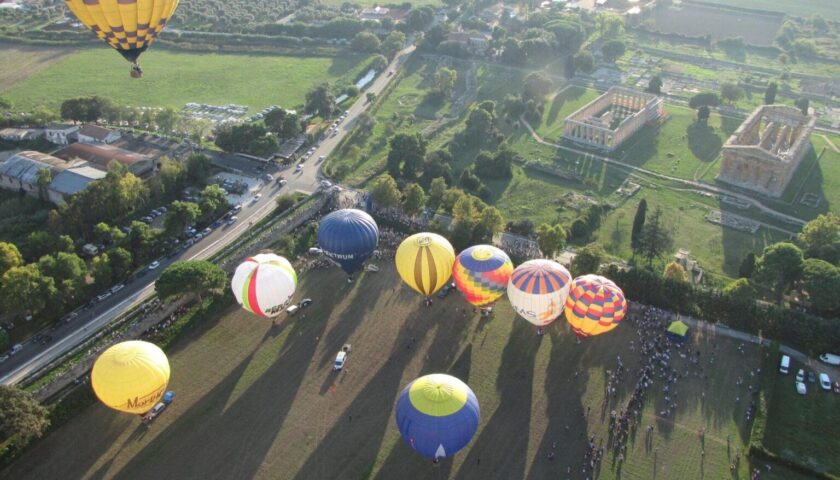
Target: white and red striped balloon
{"x":264,"y":284}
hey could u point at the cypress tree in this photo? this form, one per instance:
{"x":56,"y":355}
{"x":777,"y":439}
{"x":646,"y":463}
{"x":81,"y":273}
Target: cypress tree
{"x":638,"y":223}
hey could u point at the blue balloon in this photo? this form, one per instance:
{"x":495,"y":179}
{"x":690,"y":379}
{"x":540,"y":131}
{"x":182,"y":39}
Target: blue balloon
{"x":437,"y":415}
{"x":349,"y":237}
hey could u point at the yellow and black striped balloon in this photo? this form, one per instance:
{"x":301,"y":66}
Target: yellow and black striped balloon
{"x":128,"y":26}
{"x":424,"y":261}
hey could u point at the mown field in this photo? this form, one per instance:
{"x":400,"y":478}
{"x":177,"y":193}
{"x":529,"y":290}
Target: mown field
{"x":22,"y":61}
{"x":256,"y":400}
{"x":174,"y":78}
{"x":798,"y":8}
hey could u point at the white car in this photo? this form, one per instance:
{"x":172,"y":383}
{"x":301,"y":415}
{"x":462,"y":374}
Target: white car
{"x":299,"y":167}
{"x":117,"y":288}
{"x":154,"y":265}
{"x":257,"y":197}
{"x":800,"y":376}
{"x":801,"y":388}
{"x":15,"y":349}
{"x":830,"y":358}
{"x":340,"y":360}
{"x":825,"y":382}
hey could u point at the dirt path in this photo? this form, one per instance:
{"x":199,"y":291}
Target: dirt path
{"x":830,"y":143}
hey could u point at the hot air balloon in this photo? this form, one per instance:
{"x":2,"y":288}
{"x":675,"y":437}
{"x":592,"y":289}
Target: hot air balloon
{"x":424,"y":261}
{"x":128,"y":26}
{"x":349,"y":237}
{"x":595,"y":305}
{"x":437,"y":415}
{"x":481,"y":274}
{"x":130,"y":376}
{"x":538,"y":290}
{"x":264,"y":284}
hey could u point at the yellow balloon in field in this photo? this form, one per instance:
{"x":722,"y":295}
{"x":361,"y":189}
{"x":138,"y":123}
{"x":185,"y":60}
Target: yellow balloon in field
{"x":130,"y":376}
{"x":128,"y":26}
{"x":424,"y":261}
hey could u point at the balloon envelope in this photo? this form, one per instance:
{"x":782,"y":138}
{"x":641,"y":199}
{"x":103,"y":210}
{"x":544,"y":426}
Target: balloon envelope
{"x":538,"y":290}
{"x":437,"y":415}
{"x":349,"y":237}
{"x":481,"y":273}
{"x":127,"y":26}
{"x":130,"y":376}
{"x":424,"y":261}
{"x":264,"y":284}
{"x":595,"y":305}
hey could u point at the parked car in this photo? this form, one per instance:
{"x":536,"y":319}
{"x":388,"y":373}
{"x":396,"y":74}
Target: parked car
{"x":70,"y":317}
{"x":292,"y":310}
{"x":257,"y":197}
{"x":825,"y":382}
{"x":154,"y":265}
{"x":206,"y":231}
{"x":800,"y":375}
{"x":15,"y":349}
{"x":168,"y":397}
{"x":299,"y":167}
{"x":830,"y":358}
{"x":117,"y":288}
{"x":154,"y":412}
{"x":282,"y":182}
{"x":341,"y":357}
{"x":103,"y":296}
{"x":811,"y":377}
{"x":4,"y":357}
{"x":836,"y":387}
{"x":801,"y":389}
{"x":232,"y":220}
{"x":784,"y":365}
{"x":305,"y":302}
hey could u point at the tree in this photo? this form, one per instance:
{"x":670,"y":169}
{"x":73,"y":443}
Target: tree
{"x":655,"y":85}
{"x":320,"y":101}
{"x":385,"y":193}
{"x":10,"y":257}
{"x":413,"y":199}
{"x":213,"y":201}
{"x":821,"y":280}
{"x":171,"y":178}
{"x":770,"y":93}
{"x":392,"y":44}
{"x":588,"y":259}
{"x":419,"y":18}
{"x":779,"y":266}
{"x":191,"y":277}
{"x":802,"y":104}
{"x":551,"y":239}
{"x":21,"y":416}
{"x":63,"y":266}
{"x":120,"y":261}
{"x":675,"y":271}
{"x":732,"y":92}
{"x":43,"y":181}
{"x":613,"y":49}
{"x":584,"y":61}
{"x":167,"y":118}
{"x":655,"y":239}
{"x":366,"y":42}
{"x":370,"y":97}
{"x":406,"y":155}
{"x":26,"y":290}
{"x":140,"y":240}
{"x":198,"y":168}
{"x":40,"y":243}
{"x":703,"y":114}
{"x":445,"y":79}
{"x":638,"y":224}
{"x":437,"y":189}
{"x":708,"y":99}
{"x":285,"y":202}
{"x":536,"y":86}
{"x":740,"y":289}
{"x":747,"y":267}
{"x":180,"y":215}
{"x":820,"y":238}
{"x":283,"y":123}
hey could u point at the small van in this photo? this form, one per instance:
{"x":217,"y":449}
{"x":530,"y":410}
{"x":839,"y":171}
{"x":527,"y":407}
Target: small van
{"x":784,"y":365}
{"x":292,"y":310}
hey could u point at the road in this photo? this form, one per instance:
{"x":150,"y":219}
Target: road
{"x":91,"y":320}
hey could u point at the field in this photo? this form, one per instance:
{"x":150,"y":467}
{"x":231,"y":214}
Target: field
{"x":174,"y":78}
{"x":260,"y":401}
{"x":22,"y":61}
{"x":799,"y":8}
{"x":373,"y":3}
{"x":701,"y":20}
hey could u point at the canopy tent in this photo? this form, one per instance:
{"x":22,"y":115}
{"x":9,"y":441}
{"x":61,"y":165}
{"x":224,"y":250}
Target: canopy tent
{"x":677,"y":331}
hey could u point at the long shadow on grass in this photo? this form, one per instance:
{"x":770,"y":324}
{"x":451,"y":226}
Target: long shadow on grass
{"x":215,"y":441}
{"x":703,"y":141}
{"x":500,"y":450}
{"x":350,"y":448}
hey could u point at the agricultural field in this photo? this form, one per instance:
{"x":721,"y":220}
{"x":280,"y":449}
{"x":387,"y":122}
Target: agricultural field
{"x":798,"y":8}
{"x":22,"y":61}
{"x":258,"y":400}
{"x":373,"y":3}
{"x":173,"y":78}
{"x":699,"y":20}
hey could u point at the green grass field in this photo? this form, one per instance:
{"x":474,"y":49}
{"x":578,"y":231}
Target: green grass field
{"x":174,"y":78}
{"x":798,"y":8}
{"x":373,"y":3}
{"x":260,"y":401}
{"x":560,"y":106}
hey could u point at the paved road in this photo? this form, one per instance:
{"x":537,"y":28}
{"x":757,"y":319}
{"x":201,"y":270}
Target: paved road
{"x":91,"y":320}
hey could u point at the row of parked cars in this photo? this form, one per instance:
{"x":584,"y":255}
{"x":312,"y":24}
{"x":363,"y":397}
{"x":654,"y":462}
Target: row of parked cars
{"x":801,"y":375}
{"x":153,"y":215}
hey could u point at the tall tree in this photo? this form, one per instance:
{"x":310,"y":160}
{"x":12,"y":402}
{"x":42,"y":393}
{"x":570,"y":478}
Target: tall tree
{"x":180,"y":215}
{"x":747,"y":267}
{"x":198,"y":168}
{"x":26,"y":290}
{"x":779,"y":266}
{"x":366,"y":42}
{"x":192,"y":277}
{"x":703,"y":114}
{"x":213,"y":201}
{"x":803,"y":104}
{"x":588,"y":259}
{"x":321,"y":101}
{"x":638,"y":224}
{"x":821,"y":280}
{"x":436,"y":191}
{"x":655,"y":239}
{"x":613,"y":49}
{"x":732,"y":92}
{"x":21,"y":416}
{"x":413,"y":199}
{"x":10,"y":257}
{"x":655,"y":85}
{"x":820,"y":238}
{"x":385,"y":193}
{"x":770,"y":93}
{"x":406,"y":155}
{"x":551,"y":239}
{"x":445,"y":79}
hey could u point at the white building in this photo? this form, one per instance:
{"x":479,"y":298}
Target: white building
{"x":95,"y":134}
{"x":59,"y":133}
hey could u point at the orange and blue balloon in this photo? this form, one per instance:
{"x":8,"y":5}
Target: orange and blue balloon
{"x":595,"y":305}
{"x":481,"y":274}
{"x":538,"y":290}
{"x":437,"y":415}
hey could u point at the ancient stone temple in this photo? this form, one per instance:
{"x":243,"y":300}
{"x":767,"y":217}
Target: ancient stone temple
{"x":612,"y":118}
{"x":763,"y":154}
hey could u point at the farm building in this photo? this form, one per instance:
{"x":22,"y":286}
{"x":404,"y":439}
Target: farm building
{"x":20,"y":134}
{"x":101,"y":157}
{"x":765,"y":151}
{"x":21,"y":171}
{"x":59,"y":134}
{"x":606,"y":122}
{"x":96,"y":134}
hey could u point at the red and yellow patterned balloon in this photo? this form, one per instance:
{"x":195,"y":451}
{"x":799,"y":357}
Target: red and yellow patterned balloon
{"x":481,"y":274}
{"x":595,"y":305}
